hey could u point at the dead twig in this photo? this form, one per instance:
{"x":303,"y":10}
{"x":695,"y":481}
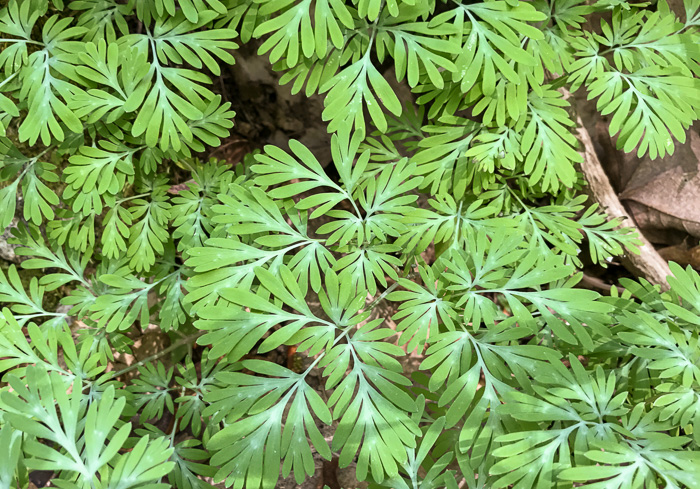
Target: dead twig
{"x":648,"y":263}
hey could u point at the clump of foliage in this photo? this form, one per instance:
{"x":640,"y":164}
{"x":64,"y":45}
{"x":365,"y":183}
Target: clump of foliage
{"x":463,"y":210}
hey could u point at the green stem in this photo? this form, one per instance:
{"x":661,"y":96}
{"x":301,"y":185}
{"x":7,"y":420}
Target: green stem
{"x":26,"y":41}
{"x":126,"y":199}
{"x":388,"y":291}
{"x":8,"y":79}
{"x":382,"y":296}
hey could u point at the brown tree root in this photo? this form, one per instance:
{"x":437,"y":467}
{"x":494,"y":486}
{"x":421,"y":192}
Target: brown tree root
{"x":648,"y":263}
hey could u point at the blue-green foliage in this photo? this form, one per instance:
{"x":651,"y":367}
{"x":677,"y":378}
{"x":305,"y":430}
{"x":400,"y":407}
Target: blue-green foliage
{"x":459,"y":208}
